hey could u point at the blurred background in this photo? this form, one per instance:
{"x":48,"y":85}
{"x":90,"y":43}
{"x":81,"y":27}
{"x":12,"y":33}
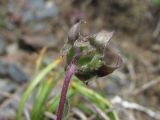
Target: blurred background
{"x":27,"y":26}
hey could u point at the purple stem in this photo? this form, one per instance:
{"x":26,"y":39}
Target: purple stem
{"x":70,"y":72}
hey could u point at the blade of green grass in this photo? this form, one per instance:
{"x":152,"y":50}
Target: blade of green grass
{"x":66,"y":109}
{"x":42,"y":96}
{"x":45,"y":89}
{"x":78,"y":87}
{"x":94,"y":97}
{"x":33,"y":84}
{"x":53,"y":104}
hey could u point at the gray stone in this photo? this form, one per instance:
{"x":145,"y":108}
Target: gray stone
{"x":12,"y":71}
{"x":2,"y":45}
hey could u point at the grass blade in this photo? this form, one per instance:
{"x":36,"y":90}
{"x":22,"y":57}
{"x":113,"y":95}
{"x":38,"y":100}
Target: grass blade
{"x":44,"y":91}
{"x":94,"y":97}
{"x":34,"y":83}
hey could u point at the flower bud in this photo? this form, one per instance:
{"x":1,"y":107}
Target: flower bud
{"x":74,"y":33}
{"x":97,"y":58}
{"x":101,"y":39}
{"x":111,"y":62}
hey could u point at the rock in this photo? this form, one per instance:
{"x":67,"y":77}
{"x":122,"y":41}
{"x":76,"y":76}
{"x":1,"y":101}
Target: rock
{"x":2,"y":45}
{"x":3,"y":69}
{"x":12,"y":71}
{"x":6,"y":86}
{"x":17,"y":74}
{"x":33,"y":42}
{"x":23,"y":11}
{"x":7,"y":114}
{"x":117,"y":84}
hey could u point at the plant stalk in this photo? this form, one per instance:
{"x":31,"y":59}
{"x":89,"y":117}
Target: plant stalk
{"x":70,"y":72}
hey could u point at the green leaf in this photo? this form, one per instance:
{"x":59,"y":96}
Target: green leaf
{"x":45,"y":89}
{"x":94,"y":97}
{"x":66,"y":109}
{"x":53,"y":104}
{"x":88,"y":63}
{"x":33,"y":84}
{"x":94,"y":63}
{"x":78,"y":88}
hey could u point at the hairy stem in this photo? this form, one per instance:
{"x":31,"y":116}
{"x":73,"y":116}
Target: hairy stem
{"x":70,"y":72}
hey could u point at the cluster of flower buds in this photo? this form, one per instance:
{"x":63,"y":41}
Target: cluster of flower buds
{"x":97,"y":58}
